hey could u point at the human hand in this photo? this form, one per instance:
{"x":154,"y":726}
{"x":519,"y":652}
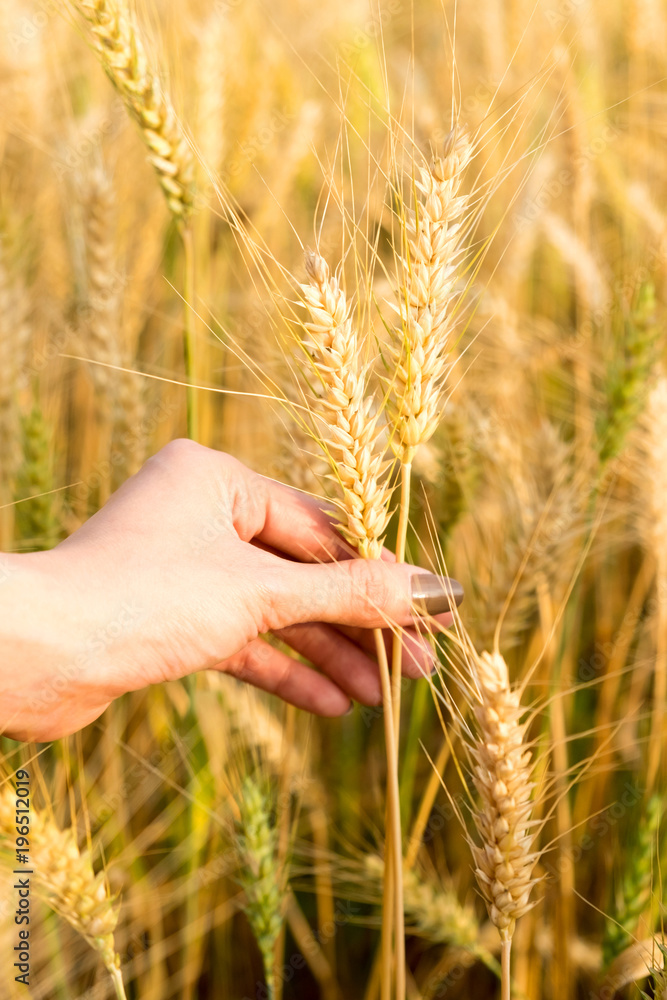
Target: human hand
{"x":184,"y":569}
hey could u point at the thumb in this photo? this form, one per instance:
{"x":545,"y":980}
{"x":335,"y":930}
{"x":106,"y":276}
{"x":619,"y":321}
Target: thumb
{"x":362,"y":593}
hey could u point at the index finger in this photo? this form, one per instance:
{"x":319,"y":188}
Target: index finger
{"x":300,"y":526}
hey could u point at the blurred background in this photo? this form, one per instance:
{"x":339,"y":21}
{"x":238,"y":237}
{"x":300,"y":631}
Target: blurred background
{"x":544,"y":490}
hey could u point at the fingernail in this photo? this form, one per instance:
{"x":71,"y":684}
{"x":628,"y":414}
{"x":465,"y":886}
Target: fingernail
{"x":350,"y":709}
{"x":433,"y":595}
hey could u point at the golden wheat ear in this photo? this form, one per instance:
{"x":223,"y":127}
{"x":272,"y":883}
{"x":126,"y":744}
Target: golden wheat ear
{"x":502,"y":766}
{"x":433,"y":237}
{"x":122,"y":53}
{"x":65,"y":878}
{"x":345,"y":404}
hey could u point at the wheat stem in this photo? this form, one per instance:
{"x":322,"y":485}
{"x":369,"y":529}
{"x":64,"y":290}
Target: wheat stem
{"x":394,"y":827}
{"x":505,"y":980}
{"x":397,"y":643}
{"x":189,"y":331}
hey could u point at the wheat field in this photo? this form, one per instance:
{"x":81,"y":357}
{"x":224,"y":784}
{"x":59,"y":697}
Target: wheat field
{"x":409,"y":256}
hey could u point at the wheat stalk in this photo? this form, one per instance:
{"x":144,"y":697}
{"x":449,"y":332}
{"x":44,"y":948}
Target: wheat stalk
{"x":502,"y":766}
{"x":124,"y":58}
{"x":419,"y":349}
{"x":67,"y":881}
{"x":653,"y":447}
{"x":345,"y":406}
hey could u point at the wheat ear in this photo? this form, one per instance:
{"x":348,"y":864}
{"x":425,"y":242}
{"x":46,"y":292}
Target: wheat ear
{"x":345,"y":407}
{"x":123,"y":56}
{"x":67,"y":881}
{"x":419,"y":349}
{"x":502,"y":767}
{"x":101,"y":311}
{"x":622,"y":927}
{"x":15,"y":339}
{"x":260,"y":875}
{"x":36,"y":518}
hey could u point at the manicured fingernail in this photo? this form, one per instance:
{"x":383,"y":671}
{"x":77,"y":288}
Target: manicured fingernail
{"x":350,"y":709}
{"x":433,"y":595}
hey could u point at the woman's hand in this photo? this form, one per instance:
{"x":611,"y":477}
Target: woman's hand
{"x":186,"y":566}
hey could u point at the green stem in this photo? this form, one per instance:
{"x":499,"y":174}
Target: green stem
{"x":189,"y":330}
{"x":393,"y":833}
{"x":421,"y":700}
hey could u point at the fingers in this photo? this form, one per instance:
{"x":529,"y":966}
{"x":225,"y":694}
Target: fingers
{"x":273,"y":671}
{"x":342,"y":661}
{"x":356,"y":592}
{"x":299,"y":526}
{"x":418,"y":657}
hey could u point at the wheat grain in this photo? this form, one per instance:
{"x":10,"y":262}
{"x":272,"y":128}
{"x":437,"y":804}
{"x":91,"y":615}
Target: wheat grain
{"x":346,"y":405}
{"x":419,"y":350}
{"x":121,"y":50}
{"x":67,"y":881}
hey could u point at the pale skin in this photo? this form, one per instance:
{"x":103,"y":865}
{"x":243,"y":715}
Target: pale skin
{"x":185,"y":569}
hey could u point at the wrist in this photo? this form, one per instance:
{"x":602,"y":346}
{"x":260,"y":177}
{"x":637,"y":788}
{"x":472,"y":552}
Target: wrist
{"x":50,"y":619}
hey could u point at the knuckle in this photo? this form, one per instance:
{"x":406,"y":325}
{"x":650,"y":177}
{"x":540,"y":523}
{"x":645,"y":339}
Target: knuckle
{"x":370,"y":581}
{"x":182,"y":451}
